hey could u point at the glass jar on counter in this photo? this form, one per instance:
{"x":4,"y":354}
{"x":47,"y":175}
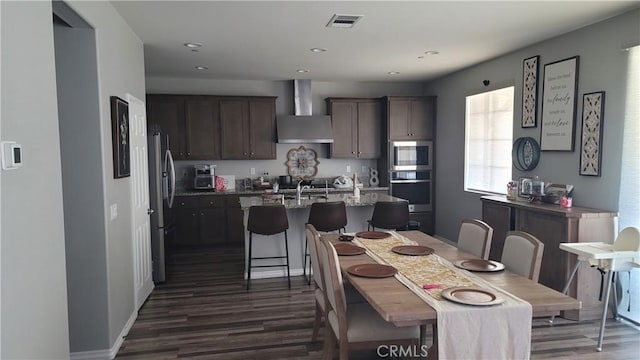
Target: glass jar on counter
{"x":512,"y":190}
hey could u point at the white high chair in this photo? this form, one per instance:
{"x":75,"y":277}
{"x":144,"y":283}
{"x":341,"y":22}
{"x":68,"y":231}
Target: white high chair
{"x":622,"y":255}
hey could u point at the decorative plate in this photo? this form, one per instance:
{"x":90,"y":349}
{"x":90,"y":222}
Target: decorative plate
{"x":302,"y":163}
{"x":525,"y":153}
{"x":479,"y":265}
{"x":472,"y":296}
{"x":372,"y":270}
{"x":414,"y":250}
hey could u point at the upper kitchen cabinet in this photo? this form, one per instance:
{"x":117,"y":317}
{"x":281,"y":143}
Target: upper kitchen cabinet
{"x":411,"y":118}
{"x":167,"y":111}
{"x":192,"y":123}
{"x":357,"y":129}
{"x":248,"y":128}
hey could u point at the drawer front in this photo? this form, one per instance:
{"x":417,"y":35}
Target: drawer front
{"x":186,"y":202}
{"x":211,"y":201}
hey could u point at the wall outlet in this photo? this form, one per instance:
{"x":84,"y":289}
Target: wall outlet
{"x":348,"y":168}
{"x":114,"y":211}
{"x":253,"y":171}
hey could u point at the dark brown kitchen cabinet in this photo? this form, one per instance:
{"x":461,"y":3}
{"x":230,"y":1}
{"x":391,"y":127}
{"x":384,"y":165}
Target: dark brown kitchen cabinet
{"x":200,"y":220}
{"x":192,"y":123}
{"x":357,"y":130}
{"x":411,"y":118}
{"x":553,"y":225}
{"x":248,"y":128}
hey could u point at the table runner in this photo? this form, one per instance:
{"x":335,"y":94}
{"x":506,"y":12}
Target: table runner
{"x":464,"y":331}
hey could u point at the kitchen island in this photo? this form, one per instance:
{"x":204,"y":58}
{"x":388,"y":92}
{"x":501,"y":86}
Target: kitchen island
{"x":359,"y":210}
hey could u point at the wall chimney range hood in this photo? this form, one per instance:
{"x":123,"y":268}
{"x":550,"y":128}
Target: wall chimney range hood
{"x":303,"y":127}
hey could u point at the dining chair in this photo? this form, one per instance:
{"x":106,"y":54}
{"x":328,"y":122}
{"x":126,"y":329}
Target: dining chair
{"x":392,"y":215}
{"x":354,"y":326}
{"x":475,"y":237}
{"x":522,"y":254}
{"x":268,"y":220}
{"x":326,"y":217}
{"x":352,"y":295}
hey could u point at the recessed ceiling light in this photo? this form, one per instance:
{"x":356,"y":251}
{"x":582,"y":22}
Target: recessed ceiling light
{"x":302,"y":70}
{"x":318,"y":50}
{"x":432,"y":52}
{"x":393,"y":73}
{"x":192,"y":45}
{"x":202,"y":68}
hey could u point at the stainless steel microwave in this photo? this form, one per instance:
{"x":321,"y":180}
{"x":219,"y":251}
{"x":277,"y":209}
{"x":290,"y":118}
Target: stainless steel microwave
{"x":410,"y":155}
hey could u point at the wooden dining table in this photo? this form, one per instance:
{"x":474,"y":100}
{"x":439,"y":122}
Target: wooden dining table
{"x":397,"y":304}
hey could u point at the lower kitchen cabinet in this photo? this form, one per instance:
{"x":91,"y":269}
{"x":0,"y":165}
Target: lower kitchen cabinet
{"x":200,"y":220}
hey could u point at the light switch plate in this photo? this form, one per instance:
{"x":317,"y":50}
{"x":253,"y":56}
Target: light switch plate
{"x":114,"y":211}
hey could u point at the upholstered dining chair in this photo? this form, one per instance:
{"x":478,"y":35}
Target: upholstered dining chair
{"x":326,"y":217}
{"x":354,"y":326}
{"x":522,"y":254}
{"x":475,"y":237}
{"x":352,"y":295}
{"x":390,"y":215}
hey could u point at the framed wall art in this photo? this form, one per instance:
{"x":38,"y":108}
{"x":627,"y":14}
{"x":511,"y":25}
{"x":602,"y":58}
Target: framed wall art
{"x":559,"y":105}
{"x":120,"y":137}
{"x":591,"y":143}
{"x":530,"y":91}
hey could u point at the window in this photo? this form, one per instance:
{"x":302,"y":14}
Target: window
{"x":488,"y":139}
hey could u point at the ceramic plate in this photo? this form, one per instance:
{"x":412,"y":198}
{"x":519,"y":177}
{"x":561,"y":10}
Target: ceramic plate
{"x":346,"y":249}
{"x":471,"y":296}
{"x":479,"y":265}
{"x":372,"y":235}
{"x":372,"y":270}
{"x":412,"y":250}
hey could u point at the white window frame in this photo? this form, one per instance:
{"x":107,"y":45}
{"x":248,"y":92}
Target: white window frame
{"x":507,"y":130}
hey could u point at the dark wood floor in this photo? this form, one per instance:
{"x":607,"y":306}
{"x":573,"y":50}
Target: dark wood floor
{"x":204,"y":312}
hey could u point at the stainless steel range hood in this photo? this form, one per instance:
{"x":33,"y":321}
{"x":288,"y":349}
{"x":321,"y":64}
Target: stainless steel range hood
{"x":303,"y":127}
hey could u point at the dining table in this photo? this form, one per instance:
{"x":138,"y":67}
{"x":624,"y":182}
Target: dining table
{"x":399,"y":305}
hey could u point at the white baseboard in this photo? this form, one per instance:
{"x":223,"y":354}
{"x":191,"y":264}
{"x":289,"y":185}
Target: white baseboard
{"x":273,"y":274}
{"x":107,"y":354}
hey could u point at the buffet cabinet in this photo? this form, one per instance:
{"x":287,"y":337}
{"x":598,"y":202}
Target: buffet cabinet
{"x":553,"y":225}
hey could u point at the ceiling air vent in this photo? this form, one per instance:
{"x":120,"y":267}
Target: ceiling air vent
{"x":343,"y":21}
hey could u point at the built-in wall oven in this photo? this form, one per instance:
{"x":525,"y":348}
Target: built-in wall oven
{"x":410,"y":173}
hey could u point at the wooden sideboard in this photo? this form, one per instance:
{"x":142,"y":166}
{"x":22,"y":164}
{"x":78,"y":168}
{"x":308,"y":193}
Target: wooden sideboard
{"x":553,"y":225}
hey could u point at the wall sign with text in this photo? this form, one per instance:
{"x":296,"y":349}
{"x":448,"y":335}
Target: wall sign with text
{"x":559,"y":105}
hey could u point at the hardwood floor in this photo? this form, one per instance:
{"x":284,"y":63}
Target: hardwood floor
{"x":204,"y":312}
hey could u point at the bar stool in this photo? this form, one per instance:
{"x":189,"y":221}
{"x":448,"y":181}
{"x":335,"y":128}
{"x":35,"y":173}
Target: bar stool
{"x":390,"y":215}
{"x":325,"y":217}
{"x":268,"y":220}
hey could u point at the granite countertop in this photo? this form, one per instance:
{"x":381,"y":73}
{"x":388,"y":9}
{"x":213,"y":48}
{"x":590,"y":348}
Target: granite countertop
{"x":284,"y":191}
{"x":365,"y":199}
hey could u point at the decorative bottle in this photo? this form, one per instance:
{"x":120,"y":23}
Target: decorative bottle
{"x":356,"y":189}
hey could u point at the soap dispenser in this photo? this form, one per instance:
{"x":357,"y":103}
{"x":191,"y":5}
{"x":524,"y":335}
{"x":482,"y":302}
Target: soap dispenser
{"x":356,"y":189}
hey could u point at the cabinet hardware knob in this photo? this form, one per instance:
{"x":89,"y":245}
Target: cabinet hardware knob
{"x":188,"y":153}
{"x":201,"y":214}
{"x":210,"y":202}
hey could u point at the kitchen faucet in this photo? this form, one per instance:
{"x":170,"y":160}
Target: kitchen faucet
{"x":300,"y":189}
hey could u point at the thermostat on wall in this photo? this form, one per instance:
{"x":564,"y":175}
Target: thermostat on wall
{"x":11,"y":155}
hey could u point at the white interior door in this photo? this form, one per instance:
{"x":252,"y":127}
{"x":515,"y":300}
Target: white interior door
{"x":142,"y":266}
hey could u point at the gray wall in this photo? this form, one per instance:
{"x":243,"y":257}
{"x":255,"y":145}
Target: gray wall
{"x":120,"y":71}
{"x":603,"y":67}
{"x":284,"y":106}
{"x":34,"y":289}
{"x":84,"y":205}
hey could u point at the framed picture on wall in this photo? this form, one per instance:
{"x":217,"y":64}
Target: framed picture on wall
{"x":559,"y":105}
{"x":591,"y":143}
{"x":530,"y":91}
{"x":120,"y":137}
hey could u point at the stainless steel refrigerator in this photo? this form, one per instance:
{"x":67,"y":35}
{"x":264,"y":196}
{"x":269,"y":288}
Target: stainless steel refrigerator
{"x":162,"y":184}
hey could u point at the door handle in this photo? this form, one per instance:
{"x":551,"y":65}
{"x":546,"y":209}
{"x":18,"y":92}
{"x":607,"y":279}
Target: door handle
{"x":150,"y":211}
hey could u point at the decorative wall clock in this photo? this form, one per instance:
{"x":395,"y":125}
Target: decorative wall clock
{"x":525,"y":153}
{"x":302,"y":163}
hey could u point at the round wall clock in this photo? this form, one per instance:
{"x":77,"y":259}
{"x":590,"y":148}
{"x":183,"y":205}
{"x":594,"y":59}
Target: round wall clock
{"x":302,"y":163}
{"x":525,"y":153}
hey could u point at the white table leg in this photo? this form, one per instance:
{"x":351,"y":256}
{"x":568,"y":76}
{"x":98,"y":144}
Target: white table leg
{"x":604,"y":310}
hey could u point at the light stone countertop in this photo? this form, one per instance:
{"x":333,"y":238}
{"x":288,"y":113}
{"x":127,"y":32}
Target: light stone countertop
{"x":332,"y":191}
{"x":365,"y":199}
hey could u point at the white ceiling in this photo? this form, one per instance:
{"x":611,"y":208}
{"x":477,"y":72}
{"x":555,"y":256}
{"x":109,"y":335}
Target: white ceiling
{"x":270,"y":40}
